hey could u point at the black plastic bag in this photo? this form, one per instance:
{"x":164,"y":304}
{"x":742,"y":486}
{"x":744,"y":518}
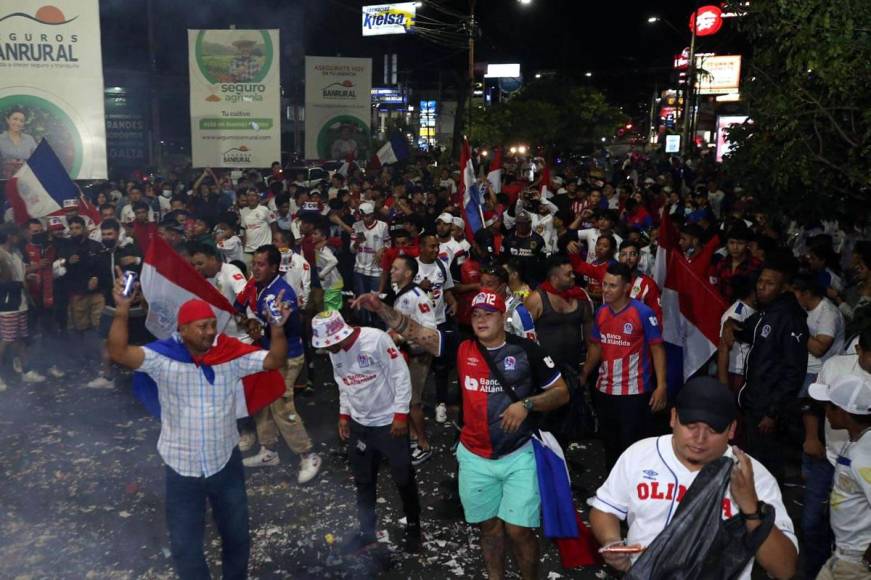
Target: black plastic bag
{"x":698,"y":543}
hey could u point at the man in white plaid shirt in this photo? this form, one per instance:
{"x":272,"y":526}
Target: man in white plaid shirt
{"x":198,"y":436}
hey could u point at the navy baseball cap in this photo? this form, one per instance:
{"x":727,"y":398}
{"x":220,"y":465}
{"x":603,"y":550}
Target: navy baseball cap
{"x":706,"y":400}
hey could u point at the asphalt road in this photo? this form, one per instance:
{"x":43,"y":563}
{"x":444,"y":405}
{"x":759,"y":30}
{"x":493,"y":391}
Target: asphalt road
{"x":82,"y":494}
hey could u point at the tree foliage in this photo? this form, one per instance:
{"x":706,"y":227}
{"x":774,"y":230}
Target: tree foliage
{"x":551,"y":112}
{"x":808,"y":92}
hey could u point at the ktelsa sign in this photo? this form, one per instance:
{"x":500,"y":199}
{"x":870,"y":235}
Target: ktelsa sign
{"x":388,"y":18}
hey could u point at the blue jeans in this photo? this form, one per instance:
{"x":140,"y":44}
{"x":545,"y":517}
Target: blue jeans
{"x":186,"y":520}
{"x":362,"y":285}
{"x":816,"y":531}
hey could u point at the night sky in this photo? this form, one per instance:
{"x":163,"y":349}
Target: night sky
{"x":628,"y":57}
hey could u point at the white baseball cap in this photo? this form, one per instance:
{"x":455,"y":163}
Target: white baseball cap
{"x":446,"y":218}
{"x":367,"y":207}
{"x":329,"y":328}
{"x":851,"y":393}
{"x":458,"y":222}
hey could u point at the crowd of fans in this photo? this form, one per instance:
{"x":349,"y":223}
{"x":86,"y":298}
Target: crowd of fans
{"x":571,"y":254}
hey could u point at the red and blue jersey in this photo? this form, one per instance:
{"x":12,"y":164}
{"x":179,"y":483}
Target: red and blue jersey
{"x":625,"y":338}
{"x":528,"y":370}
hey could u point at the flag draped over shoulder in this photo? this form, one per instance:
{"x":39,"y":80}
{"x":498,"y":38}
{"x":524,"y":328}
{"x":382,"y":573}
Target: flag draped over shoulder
{"x":691,"y":306}
{"x":167,"y":282}
{"x":260,"y":389}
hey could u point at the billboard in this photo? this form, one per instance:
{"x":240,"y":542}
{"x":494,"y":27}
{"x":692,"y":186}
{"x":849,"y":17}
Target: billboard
{"x":382,"y":19}
{"x":723,"y":123}
{"x":503,"y":71}
{"x":52,"y":70}
{"x":338,"y":107}
{"x":126,"y":129}
{"x":235,"y":98}
{"x":718,"y":74}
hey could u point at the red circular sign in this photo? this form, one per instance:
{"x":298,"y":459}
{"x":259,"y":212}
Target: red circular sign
{"x":709,"y":18}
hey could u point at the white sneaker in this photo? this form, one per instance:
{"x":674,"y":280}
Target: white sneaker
{"x":309,"y":466}
{"x":100,"y":382}
{"x":246,"y":441}
{"x":32,"y":377}
{"x":441,"y":412}
{"x":56,"y":372}
{"x":264,"y":458}
{"x":17,"y":366}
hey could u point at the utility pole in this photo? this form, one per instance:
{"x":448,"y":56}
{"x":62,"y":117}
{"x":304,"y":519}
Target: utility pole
{"x":691,"y":81}
{"x":155,"y":150}
{"x":471,"y":61}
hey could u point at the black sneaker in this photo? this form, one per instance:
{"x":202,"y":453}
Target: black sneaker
{"x":413,"y":538}
{"x":420,"y":455}
{"x":358,"y":542}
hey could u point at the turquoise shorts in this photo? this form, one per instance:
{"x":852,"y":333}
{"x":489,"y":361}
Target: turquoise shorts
{"x":506,"y":488}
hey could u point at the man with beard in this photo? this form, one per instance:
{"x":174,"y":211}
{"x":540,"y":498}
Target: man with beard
{"x":563,"y":314}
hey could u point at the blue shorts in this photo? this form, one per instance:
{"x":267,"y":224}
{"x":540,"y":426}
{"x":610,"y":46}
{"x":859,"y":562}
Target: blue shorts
{"x":506,"y":488}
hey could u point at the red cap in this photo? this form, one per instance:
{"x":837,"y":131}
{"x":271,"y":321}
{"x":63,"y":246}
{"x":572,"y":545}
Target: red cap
{"x":194,"y":310}
{"x":489,"y":301}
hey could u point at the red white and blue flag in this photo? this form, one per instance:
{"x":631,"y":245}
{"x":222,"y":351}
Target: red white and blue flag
{"x":469,"y":188}
{"x":494,"y":174}
{"x":394,"y":151}
{"x":691,"y":307}
{"x":167,"y":282}
{"x":42,"y":185}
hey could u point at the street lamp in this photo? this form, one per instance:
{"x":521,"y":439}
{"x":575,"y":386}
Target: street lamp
{"x":588,"y":74}
{"x":525,"y":2}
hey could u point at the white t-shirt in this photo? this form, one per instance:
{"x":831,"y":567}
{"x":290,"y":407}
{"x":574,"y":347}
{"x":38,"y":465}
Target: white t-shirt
{"x":328,"y":269}
{"x":827,"y":320}
{"x":440,"y":279}
{"x":415,"y":304}
{"x":297,"y":273}
{"x":589,"y":236}
{"x":231,"y":249}
{"x":15,"y":265}
{"x":448,"y":251}
{"x":256,"y":224}
{"x":230,"y":281}
{"x":128,"y":215}
{"x":376,"y":239}
{"x":373,"y":379}
{"x":850,"y":500}
{"x":740,"y":311}
{"x":648,"y":481}
{"x":838,"y":366}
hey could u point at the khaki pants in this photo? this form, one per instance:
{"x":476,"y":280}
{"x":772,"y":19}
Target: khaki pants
{"x":838,"y":568}
{"x":418,"y":368}
{"x":281,"y":416}
{"x":85,"y":310}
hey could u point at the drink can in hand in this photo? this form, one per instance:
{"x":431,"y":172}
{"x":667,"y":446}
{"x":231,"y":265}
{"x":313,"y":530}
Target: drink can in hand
{"x":129,"y":283}
{"x":273,"y":309}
